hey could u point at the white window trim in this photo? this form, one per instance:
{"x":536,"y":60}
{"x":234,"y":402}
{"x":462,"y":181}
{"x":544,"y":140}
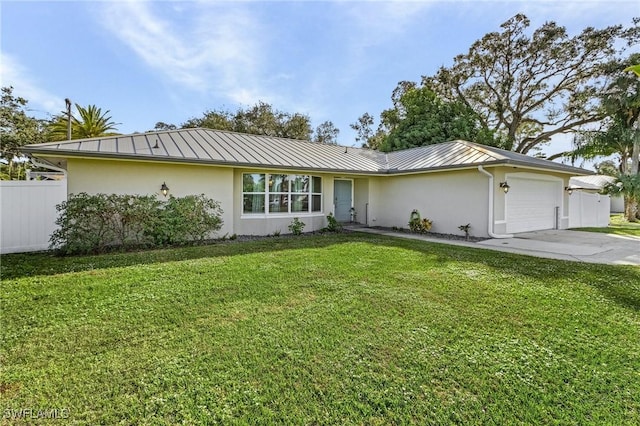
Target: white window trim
{"x":266,"y":214}
{"x":280,"y":215}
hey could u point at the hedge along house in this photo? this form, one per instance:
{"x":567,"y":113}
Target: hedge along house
{"x":264,"y":182}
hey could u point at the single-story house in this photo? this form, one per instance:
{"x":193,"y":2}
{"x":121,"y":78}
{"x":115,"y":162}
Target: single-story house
{"x":264,"y":182}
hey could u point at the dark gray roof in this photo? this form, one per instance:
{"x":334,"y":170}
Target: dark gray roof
{"x":208,"y":146}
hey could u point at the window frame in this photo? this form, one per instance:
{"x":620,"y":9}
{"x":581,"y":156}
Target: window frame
{"x":269,"y":179}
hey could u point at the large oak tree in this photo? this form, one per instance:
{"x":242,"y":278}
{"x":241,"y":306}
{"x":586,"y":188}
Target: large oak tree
{"x":529,"y":86}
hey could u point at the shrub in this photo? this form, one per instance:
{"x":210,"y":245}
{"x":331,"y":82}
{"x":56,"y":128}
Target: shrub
{"x":418,"y":225}
{"x":465,"y":229}
{"x":101,"y":222}
{"x":332,"y":224}
{"x":296,"y":226}
{"x":189,"y":218}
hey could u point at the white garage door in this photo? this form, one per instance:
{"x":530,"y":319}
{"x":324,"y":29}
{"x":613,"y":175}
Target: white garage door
{"x":531,"y":204}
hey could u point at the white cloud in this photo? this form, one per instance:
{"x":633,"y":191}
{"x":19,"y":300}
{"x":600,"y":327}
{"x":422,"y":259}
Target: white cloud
{"x":12,"y":73}
{"x":206,"y":47}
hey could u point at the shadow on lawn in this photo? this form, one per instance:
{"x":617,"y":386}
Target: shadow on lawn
{"x":618,"y":283}
{"x":22,"y":265}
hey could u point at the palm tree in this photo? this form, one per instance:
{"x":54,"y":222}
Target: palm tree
{"x":634,"y":68}
{"x":620,"y":133}
{"x":627,"y":185}
{"x":91,"y":124}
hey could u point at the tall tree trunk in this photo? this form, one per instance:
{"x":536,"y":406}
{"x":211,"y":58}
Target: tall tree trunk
{"x":635,"y":156}
{"x":635,"y":159}
{"x":630,"y":209}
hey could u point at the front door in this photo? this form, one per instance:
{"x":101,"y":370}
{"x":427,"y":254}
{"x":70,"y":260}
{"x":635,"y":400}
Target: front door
{"x":342,"y":199}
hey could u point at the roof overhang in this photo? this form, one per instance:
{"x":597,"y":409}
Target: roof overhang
{"x":64,"y":154}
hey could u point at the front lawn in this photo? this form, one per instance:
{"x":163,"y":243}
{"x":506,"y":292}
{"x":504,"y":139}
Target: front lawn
{"x":333,"y":329}
{"x":617,"y":225}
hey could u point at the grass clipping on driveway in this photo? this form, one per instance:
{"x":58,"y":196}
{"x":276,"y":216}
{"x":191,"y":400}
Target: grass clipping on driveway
{"x":334,"y":329}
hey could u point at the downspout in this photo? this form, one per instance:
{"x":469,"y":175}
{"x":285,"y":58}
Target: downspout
{"x":490,"y":215}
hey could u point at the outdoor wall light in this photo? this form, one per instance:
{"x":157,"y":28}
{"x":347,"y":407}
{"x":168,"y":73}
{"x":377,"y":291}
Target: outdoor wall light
{"x":568,"y":189}
{"x":505,"y":186}
{"x":164,"y":189}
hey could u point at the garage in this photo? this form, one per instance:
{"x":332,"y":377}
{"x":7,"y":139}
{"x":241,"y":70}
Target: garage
{"x":532,"y":203}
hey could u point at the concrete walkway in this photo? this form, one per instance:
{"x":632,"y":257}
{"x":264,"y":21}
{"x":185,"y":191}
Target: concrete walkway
{"x":577,"y":246}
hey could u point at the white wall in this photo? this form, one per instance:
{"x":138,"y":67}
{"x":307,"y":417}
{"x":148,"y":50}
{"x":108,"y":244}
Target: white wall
{"x":145,"y":178}
{"x":588,"y":210}
{"x":28,"y":213}
{"x":449,"y":199}
{"x":361,"y":199}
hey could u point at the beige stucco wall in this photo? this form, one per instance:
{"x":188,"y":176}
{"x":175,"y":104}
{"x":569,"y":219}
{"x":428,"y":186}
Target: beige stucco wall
{"x":361,"y":199}
{"x":145,"y":178}
{"x":449,"y":199}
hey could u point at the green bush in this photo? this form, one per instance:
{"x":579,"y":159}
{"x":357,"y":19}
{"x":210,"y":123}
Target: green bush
{"x":189,"y":218}
{"x":332,"y":224}
{"x":296,"y":226}
{"x":418,"y":225}
{"x":101,"y":222}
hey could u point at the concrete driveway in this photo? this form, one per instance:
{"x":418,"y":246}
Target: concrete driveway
{"x":578,"y":246}
{"x":581,"y":246}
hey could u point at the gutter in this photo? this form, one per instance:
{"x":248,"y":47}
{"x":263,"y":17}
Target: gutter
{"x":490,"y":215}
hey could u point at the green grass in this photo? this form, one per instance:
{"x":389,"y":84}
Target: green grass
{"x":617,"y":225}
{"x":333,"y":329}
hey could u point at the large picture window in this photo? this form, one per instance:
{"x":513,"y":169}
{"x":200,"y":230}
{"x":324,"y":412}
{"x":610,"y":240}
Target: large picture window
{"x":270,"y":193}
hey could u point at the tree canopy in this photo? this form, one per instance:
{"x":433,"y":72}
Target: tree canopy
{"x":263,"y":119}
{"x":326,"y":133}
{"x":17,"y":129}
{"x":420,"y":117}
{"x":529,"y":86}
{"x":618,"y":133}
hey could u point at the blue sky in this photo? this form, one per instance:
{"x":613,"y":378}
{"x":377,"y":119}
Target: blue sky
{"x":170,"y":61}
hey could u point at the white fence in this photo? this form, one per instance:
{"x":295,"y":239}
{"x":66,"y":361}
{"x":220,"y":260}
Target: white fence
{"x":588,"y":210}
{"x":28,"y":213}
{"x":617,"y":204}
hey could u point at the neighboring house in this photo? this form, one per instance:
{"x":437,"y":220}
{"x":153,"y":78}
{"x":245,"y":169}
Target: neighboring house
{"x":594,"y":184}
{"x":264,"y":182}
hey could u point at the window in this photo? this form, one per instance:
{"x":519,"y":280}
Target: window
{"x":281,"y":193}
{"x":253,"y":191}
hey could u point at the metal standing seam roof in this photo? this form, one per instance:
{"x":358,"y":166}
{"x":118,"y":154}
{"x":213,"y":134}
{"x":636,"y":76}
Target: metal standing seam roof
{"x":207,"y":146}
{"x":595,"y":182}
